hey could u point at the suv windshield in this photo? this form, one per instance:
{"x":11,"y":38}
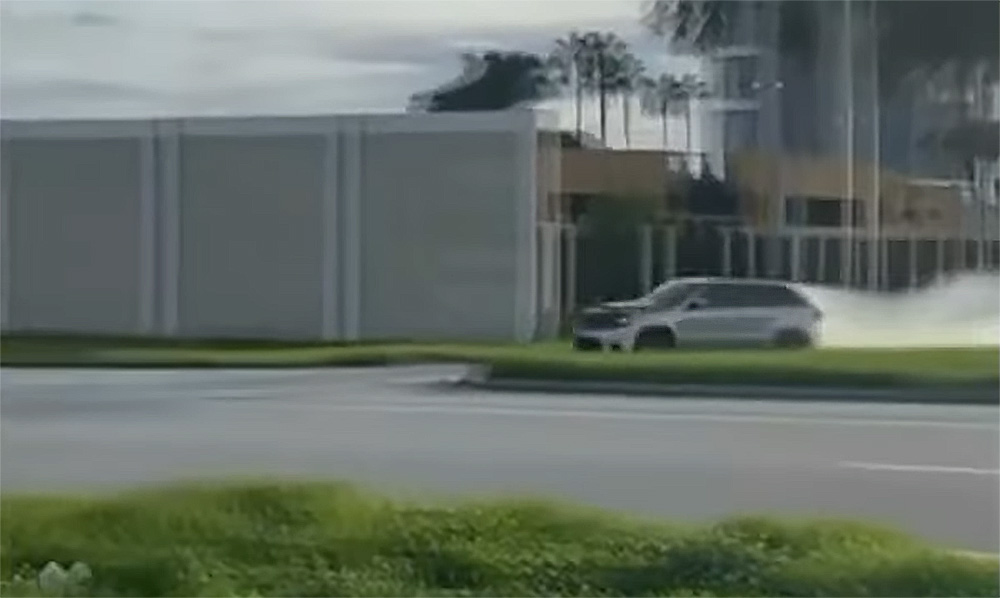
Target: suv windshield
{"x":670,"y":295}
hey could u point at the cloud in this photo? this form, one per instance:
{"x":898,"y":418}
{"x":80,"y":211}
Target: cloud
{"x":93,"y":19}
{"x":86,"y":58}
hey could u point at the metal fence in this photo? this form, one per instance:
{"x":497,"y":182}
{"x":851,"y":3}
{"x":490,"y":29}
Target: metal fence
{"x":628,"y":263}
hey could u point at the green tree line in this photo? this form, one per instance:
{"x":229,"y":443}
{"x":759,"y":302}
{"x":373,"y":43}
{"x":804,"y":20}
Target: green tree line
{"x":916,"y":39}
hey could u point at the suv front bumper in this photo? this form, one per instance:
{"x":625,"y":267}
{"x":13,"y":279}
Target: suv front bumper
{"x":612,"y":338}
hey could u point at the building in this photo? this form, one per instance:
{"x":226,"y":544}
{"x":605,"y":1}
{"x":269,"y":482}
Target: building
{"x":796,"y":91}
{"x":809,"y":97}
{"x":344,"y":227}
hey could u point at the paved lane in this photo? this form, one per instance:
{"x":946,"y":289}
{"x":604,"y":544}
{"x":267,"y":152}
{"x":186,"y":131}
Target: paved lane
{"x":931,"y":469}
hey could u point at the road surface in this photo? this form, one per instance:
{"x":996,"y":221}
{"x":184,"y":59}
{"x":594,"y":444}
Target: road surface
{"x":932,"y":470}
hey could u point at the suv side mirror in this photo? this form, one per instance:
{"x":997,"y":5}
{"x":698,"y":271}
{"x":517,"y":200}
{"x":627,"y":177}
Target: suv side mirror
{"x":696,"y":303}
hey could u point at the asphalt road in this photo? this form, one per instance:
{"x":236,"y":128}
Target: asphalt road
{"x":931,"y":469}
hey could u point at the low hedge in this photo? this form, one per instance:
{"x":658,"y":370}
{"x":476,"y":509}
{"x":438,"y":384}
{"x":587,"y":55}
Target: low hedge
{"x":298,"y":539}
{"x":841,"y":368}
{"x":881,"y":368}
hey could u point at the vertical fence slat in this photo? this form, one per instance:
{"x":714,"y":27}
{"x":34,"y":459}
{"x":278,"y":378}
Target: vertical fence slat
{"x":670,"y":251}
{"x":727,"y":252}
{"x":646,"y":258}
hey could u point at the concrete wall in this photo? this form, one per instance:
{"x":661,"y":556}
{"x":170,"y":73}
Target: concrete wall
{"x":417,"y":226}
{"x":434,"y":254}
{"x":549,"y":182}
{"x":260,"y":276}
{"x":57,"y":272}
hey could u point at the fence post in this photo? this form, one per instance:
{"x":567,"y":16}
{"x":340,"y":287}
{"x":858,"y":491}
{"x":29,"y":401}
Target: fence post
{"x":981,"y":249}
{"x":821,"y":258}
{"x":727,"y":251}
{"x":751,"y":253}
{"x":646,"y":257}
{"x":939,"y":254}
{"x":570,"y":241}
{"x":547,"y":269}
{"x":883,"y":259}
{"x":670,"y":250}
{"x":796,"y":257}
{"x":845,"y":260}
{"x":912,"y":242}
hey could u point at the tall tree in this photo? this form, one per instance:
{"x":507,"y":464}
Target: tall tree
{"x":691,"y":89}
{"x":604,"y":52}
{"x":570,"y":64}
{"x":627,"y":83}
{"x":691,"y":25}
{"x":662,"y":97}
{"x":965,"y":32}
{"x":491,"y":81}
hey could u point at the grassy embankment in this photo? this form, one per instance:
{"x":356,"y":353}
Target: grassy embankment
{"x":879,"y":368}
{"x":297,"y":539}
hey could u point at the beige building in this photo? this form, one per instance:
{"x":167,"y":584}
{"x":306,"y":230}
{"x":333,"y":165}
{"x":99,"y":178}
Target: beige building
{"x":816,"y":192}
{"x":796,"y":219}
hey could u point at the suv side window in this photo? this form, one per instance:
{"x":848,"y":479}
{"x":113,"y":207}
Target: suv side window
{"x":772,"y":295}
{"x":671,"y":297}
{"x":723,"y":296}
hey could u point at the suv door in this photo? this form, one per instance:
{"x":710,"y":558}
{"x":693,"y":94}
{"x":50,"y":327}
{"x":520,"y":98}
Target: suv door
{"x":721,"y":316}
{"x":763,"y":306}
{"x":782,"y":308}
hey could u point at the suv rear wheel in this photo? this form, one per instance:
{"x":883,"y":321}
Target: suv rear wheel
{"x":792,"y":338}
{"x":655,"y":338}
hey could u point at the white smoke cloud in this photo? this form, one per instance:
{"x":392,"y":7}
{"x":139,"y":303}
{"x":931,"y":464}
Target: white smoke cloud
{"x":963,"y":311}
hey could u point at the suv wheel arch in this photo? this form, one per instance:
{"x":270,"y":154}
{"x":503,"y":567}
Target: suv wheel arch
{"x":792,"y":338}
{"x":654,"y":337}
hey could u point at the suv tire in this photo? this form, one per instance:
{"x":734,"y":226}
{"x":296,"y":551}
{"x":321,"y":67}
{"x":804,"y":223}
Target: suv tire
{"x":586,"y":345}
{"x":655,"y":338}
{"x":792,"y":338}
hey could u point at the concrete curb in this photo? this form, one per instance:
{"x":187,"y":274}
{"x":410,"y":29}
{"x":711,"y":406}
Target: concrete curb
{"x":981,"y":556}
{"x":480,"y":377}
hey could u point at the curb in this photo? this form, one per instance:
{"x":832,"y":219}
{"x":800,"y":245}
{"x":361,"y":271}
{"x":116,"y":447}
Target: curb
{"x":979,"y":556}
{"x":480,"y":377}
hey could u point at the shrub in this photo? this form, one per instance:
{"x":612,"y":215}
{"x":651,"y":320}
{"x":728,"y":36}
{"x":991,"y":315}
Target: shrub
{"x":268,"y":539}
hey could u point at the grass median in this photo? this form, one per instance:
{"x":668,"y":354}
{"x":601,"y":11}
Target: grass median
{"x":299,"y":539}
{"x":872,"y":368}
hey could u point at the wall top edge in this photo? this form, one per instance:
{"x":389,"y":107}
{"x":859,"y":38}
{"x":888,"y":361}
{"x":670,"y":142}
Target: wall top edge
{"x":514,"y":121}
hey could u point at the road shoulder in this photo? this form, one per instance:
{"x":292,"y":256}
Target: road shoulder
{"x":480,"y":377}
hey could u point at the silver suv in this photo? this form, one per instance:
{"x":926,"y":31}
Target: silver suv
{"x":700,"y":312}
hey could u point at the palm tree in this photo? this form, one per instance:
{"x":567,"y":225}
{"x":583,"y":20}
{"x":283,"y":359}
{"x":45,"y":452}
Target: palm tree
{"x":570,"y":64}
{"x":965,"y":31}
{"x":698,"y":25}
{"x":627,"y":84}
{"x":661,"y":97}
{"x":691,"y":88}
{"x":604,"y":52}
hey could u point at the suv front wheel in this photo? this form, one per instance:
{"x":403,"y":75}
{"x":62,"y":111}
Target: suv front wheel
{"x":585,"y":344}
{"x":655,"y":338}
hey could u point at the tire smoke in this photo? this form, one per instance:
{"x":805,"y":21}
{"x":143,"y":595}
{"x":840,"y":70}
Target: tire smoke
{"x":961,"y":311}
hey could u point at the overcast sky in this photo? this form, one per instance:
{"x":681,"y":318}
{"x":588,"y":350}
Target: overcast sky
{"x":141,"y":58}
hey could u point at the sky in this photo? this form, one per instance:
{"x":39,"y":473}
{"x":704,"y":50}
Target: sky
{"x":156,"y":58}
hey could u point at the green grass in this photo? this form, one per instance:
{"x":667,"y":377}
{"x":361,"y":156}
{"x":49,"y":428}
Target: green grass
{"x":882,"y":368}
{"x":878,"y":368}
{"x":299,"y":539}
